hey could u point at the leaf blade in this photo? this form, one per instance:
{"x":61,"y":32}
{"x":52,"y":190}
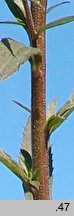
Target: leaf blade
{"x":27,"y":159}
{"x":54,"y":121}
{"x":52,"y":108}
{"x":56,"y":5}
{"x":26,"y":142}
{"x":22,"y":106}
{"x":13,"y":54}
{"x":17,"y":8}
{"x":67,"y":108}
{"x":12,"y":165}
{"x":55,"y":23}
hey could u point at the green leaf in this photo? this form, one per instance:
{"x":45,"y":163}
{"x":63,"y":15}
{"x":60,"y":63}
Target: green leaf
{"x":36,"y":174}
{"x":12,"y":55}
{"x":10,"y":22}
{"x":26,"y":144}
{"x":19,"y":23}
{"x":28,"y":194}
{"x":56,"y":5}
{"x":22,"y":106}
{"x":52,"y":108}
{"x":55,"y":121}
{"x":38,"y":2}
{"x":12,"y":165}
{"x":18,"y":171}
{"x":26,"y":141}
{"x":17,"y":8}
{"x":67,"y":108}
{"x":26,"y":159}
{"x":56,"y":23}
{"x":14,"y":23}
{"x":36,"y":184}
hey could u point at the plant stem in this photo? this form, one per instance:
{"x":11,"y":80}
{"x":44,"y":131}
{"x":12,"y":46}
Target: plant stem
{"x":29,"y":19}
{"x":39,"y":150}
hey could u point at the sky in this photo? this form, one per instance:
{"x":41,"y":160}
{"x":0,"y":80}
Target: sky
{"x":60,"y":84}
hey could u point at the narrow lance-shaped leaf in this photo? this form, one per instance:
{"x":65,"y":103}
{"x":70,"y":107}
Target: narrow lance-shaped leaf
{"x":21,"y":23}
{"x":56,"y":23}
{"x":56,"y":5}
{"x":12,"y":55}
{"x":22,"y":106}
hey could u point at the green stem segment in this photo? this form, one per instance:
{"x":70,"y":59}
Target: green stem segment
{"x":39,"y":150}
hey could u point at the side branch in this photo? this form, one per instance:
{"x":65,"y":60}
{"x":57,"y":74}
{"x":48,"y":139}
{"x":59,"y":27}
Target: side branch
{"x":29,"y":18}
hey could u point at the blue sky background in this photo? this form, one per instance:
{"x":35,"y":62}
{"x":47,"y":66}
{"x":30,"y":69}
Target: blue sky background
{"x":60,"y":84}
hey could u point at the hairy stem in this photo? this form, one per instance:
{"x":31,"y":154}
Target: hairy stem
{"x":39,"y":150}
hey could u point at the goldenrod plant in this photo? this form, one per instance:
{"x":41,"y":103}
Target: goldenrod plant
{"x":35,"y":165}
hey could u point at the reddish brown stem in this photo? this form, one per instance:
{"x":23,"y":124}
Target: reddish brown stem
{"x":30,"y":22}
{"x":39,"y":150}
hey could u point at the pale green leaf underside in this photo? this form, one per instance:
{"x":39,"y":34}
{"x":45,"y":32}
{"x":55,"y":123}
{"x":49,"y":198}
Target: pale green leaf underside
{"x":18,"y":170}
{"x":52,"y":108}
{"x":12,"y":55}
{"x":56,"y":5}
{"x":67,"y":108}
{"x":12,"y":165}
{"x":56,"y":23}
{"x":61,"y":115}
{"x":28,"y":194}
{"x":26,"y":141}
{"x":53,"y":123}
